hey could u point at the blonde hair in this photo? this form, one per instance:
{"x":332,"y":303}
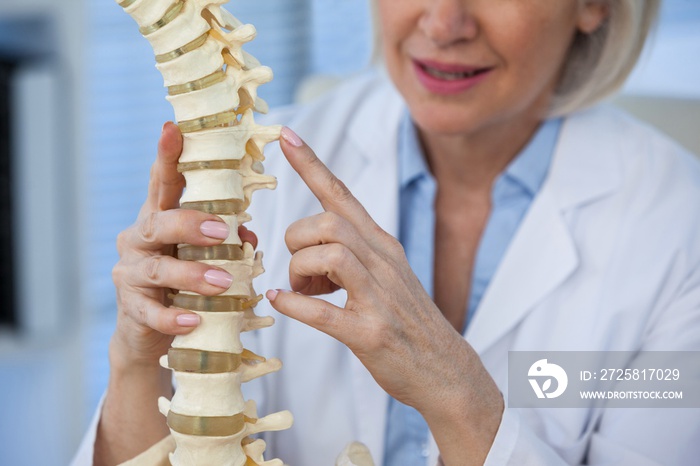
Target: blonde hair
{"x":598,"y":63}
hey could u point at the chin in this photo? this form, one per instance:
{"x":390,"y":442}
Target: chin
{"x":446,"y":120}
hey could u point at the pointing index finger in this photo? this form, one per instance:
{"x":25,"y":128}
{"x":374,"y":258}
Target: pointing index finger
{"x":328,"y":189}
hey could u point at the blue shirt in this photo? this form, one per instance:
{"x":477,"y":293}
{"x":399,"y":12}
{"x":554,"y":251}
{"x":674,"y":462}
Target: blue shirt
{"x":512,"y":194}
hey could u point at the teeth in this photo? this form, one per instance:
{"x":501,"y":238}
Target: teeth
{"x":448,"y":76}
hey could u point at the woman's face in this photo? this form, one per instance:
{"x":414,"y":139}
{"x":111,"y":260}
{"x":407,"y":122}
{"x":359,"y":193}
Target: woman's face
{"x":463,"y":65}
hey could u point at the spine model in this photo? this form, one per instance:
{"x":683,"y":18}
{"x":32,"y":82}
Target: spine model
{"x":212,"y":85}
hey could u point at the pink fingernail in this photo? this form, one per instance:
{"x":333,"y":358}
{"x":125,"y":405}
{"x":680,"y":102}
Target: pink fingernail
{"x":272,"y":294}
{"x":188,"y":320}
{"x":291,"y":137}
{"x":218,"y":278}
{"x":214,"y":229}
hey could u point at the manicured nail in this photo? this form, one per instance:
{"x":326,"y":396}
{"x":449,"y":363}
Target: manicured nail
{"x":272,"y":294}
{"x":214,"y":229}
{"x":291,"y":137}
{"x":218,"y":278}
{"x":188,"y":320}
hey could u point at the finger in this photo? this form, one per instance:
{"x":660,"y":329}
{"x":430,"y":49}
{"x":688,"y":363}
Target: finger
{"x":156,"y":229}
{"x":328,"y":189}
{"x":319,"y":314}
{"x":166,"y":183}
{"x":168,"y":272}
{"x":166,"y":320}
{"x":326,"y":228}
{"x":248,"y":236}
{"x":334,"y":262}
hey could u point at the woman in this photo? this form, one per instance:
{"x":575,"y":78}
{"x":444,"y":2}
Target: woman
{"x":491,"y":225}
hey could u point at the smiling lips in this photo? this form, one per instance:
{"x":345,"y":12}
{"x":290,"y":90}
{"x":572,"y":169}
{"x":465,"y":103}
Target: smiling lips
{"x":441,"y":78}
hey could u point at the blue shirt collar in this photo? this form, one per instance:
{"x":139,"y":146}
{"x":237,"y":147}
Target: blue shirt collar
{"x":412,"y":163}
{"x":529,"y":168}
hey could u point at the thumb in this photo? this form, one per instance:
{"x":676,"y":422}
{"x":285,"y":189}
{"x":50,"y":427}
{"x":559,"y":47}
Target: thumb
{"x":166,"y":183}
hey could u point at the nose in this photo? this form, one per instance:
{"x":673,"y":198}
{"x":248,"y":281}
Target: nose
{"x":448,"y":21}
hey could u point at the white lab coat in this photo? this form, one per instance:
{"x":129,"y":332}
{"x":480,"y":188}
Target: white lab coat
{"x":607,"y":258}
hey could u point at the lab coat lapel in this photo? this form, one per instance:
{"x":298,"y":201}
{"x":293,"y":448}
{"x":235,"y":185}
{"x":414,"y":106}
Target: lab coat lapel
{"x":543,"y":252}
{"x":540,"y":257}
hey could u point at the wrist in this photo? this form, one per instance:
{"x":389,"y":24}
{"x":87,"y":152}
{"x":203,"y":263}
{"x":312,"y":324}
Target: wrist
{"x":465,"y":412}
{"x":130,"y":351}
{"x":127,"y":374}
{"x":130,"y":421}
{"x":471,"y":429}
{"x":134,"y":379}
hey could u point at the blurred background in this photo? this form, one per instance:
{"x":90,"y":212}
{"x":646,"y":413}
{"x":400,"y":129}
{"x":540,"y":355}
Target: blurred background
{"x":81,"y":105}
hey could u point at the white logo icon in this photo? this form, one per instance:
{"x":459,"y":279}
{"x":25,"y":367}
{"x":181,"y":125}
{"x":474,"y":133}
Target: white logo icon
{"x":546,"y":372}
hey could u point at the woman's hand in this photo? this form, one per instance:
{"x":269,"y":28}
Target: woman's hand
{"x":144,"y":276}
{"x":389,"y":321}
{"x":147,"y":272}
